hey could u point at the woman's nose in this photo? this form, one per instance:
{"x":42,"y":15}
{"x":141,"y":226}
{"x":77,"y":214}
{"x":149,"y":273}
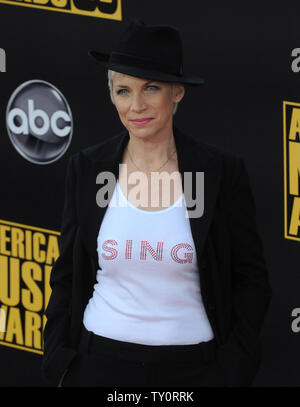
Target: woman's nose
{"x":137,"y":103}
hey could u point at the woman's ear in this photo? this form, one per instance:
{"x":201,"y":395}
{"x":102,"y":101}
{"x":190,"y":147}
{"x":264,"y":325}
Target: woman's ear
{"x":178,"y":91}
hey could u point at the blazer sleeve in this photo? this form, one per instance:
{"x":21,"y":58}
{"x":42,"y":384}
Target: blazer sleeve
{"x":240,"y":355}
{"x":57,"y":352}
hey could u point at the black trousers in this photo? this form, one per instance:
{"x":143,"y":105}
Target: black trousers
{"x":105,"y":362}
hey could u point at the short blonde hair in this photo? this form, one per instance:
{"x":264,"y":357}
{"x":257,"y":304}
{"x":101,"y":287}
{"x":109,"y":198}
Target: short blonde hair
{"x":110,"y":75}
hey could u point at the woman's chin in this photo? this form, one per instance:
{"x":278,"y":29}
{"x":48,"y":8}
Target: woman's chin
{"x":141,"y":132}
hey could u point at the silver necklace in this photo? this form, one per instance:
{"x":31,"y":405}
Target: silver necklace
{"x":149,"y":172}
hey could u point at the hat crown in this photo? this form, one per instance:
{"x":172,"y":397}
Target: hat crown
{"x":154,"y":43}
{"x":148,"y":51}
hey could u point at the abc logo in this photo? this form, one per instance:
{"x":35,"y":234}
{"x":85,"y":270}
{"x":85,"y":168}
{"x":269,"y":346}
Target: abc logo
{"x":39,"y":122}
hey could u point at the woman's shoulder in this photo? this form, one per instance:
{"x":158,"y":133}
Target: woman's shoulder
{"x":230,"y":159}
{"x":217,"y":150}
{"x":103,"y":147}
{"x":98,"y":150}
{"x":195,"y":143}
{"x":233,"y":165}
{"x":234,"y":170}
{"x":210,"y":151}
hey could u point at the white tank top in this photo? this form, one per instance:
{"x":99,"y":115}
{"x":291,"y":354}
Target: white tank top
{"x":148,"y":288}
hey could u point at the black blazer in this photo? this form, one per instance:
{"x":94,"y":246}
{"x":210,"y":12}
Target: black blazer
{"x":233,"y":275}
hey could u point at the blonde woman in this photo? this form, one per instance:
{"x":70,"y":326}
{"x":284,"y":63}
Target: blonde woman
{"x":142,"y":294}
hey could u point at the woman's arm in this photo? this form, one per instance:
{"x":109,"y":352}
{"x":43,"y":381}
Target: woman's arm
{"x":251,"y":287}
{"x":57,"y":353}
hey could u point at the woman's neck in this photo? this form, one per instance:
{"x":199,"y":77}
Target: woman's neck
{"x":151,"y":152}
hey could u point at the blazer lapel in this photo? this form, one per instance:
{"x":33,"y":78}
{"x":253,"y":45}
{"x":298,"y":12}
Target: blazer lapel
{"x":103,"y":157}
{"x":193,"y":156}
{"x":196,"y":156}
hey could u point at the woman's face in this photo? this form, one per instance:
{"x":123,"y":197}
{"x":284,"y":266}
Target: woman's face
{"x":145,"y":107}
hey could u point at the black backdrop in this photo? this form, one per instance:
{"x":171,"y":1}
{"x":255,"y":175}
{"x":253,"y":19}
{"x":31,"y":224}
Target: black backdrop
{"x":243,"y":52}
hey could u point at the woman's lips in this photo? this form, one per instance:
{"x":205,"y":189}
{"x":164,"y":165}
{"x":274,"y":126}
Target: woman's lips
{"x":141,"y":122}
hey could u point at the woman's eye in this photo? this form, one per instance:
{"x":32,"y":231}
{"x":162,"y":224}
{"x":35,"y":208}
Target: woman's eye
{"x":149,"y":87}
{"x":152,"y":87}
{"x":121,"y":91}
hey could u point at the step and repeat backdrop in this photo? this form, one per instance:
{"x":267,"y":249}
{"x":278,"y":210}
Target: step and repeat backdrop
{"x":54,"y":101}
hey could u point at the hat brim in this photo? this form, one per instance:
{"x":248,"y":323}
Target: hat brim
{"x":103,"y":59}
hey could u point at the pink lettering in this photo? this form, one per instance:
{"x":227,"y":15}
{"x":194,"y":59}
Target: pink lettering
{"x":111,"y":250}
{"x":145,"y":246}
{"x":128,"y":249}
{"x":188,"y":256}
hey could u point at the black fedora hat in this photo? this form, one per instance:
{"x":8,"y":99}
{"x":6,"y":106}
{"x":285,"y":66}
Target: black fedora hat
{"x":148,"y":51}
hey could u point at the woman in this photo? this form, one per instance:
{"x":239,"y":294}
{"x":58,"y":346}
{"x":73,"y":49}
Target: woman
{"x":142,"y":294}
